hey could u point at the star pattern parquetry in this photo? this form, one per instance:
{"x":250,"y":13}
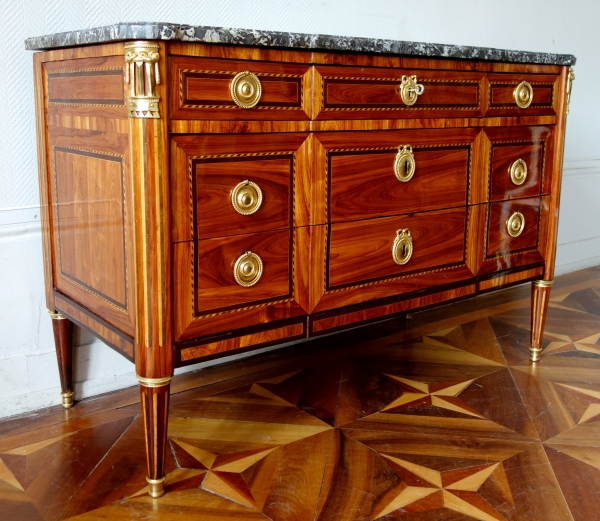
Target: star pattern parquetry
{"x":423,"y":489}
{"x":442,"y":395}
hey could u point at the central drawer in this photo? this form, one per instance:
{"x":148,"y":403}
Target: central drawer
{"x":376,"y":174}
{"x":377,"y":93}
{"x":375,"y":249}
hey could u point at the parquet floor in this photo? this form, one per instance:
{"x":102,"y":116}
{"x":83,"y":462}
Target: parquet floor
{"x":439,"y":417}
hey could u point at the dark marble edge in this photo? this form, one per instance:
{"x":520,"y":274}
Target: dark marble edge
{"x":223,"y":35}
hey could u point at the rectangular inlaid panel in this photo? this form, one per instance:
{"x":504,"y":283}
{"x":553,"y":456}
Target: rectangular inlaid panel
{"x":521,"y":214}
{"x":501,"y":96}
{"x":214,"y":286}
{"x":361,"y":251}
{"x":372,"y":93}
{"x":261,"y":339}
{"x":216,"y":271}
{"x":516,"y":170}
{"x":237,"y":195}
{"x":360,"y":169}
{"x":92,"y":87}
{"x":201,"y":89}
{"x":331,"y":322}
{"x":509,"y":278}
{"x":91,"y":222}
{"x":209,"y":174}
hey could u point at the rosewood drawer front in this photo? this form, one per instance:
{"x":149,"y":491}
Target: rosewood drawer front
{"x":521,"y":94}
{"x":376,"y":174}
{"x":377,"y":93}
{"x":520,"y":161}
{"x":235,"y":184}
{"x":369,"y":250}
{"x":231,"y":282}
{"x":513,"y":226}
{"x":211,"y":88}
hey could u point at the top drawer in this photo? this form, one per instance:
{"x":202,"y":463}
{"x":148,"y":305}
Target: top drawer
{"x":204,"y":88}
{"x":521,"y":94}
{"x":375,"y":93}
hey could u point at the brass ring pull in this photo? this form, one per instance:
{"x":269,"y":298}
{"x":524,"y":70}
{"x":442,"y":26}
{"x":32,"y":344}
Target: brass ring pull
{"x":245,"y":89}
{"x":404,"y":165}
{"x":515,"y":224}
{"x":248,"y":269}
{"x":246,"y":197}
{"x":518,"y":172}
{"x":403,"y":246}
{"x":523,"y":95}
{"x":410,"y":90}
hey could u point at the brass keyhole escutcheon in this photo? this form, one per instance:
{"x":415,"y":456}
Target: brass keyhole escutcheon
{"x":410,"y":90}
{"x":515,"y":224}
{"x":245,"y":90}
{"x":523,"y":95}
{"x":404,"y":165}
{"x":248,"y":269}
{"x":403,"y":247}
{"x":518,"y":172}
{"x":246,"y":197}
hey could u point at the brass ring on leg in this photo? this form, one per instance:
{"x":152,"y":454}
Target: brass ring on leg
{"x":535,"y":354}
{"x":156,"y":487}
{"x":67,"y":399}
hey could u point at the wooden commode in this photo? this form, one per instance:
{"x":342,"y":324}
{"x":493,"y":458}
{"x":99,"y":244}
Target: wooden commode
{"x":202,"y":199}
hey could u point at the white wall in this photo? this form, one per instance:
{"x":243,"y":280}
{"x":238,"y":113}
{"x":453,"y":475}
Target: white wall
{"x":28,"y":374}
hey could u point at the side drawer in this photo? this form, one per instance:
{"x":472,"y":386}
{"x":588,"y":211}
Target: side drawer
{"x":522,"y":94}
{"x":362,"y":251}
{"x":375,"y":174}
{"x":229,"y":283}
{"x":202,"y":89}
{"x":513,"y":226}
{"x":233,"y":184}
{"x":520,"y":161}
{"x":376,"y":93}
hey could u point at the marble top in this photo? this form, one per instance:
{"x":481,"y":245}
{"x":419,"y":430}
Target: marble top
{"x":224,"y":35}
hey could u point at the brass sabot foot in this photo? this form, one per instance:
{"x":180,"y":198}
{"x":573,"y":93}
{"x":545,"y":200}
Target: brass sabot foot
{"x":67,"y":399}
{"x":535,"y":354}
{"x":156,"y":487}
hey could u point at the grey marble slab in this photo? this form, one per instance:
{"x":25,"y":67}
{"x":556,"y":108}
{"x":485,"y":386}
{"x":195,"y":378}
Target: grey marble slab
{"x":223,"y":35}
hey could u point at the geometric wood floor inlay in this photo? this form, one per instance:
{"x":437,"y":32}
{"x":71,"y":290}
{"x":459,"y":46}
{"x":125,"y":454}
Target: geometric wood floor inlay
{"x":441,"y":418}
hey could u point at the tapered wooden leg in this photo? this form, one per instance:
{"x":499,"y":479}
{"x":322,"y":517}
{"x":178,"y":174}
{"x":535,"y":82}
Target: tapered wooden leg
{"x":63,"y":341}
{"x":540,"y":296}
{"x":154,"y":394}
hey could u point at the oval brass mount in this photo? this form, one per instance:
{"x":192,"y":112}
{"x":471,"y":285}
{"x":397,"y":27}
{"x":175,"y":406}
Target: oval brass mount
{"x":246,"y":197}
{"x":410,"y":90}
{"x":248,"y":269}
{"x":404,"y":165}
{"x":518,"y":172}
{"x":523,"y":95}
{"x":403,"y":246}
{"x":515,"y":224}
{"x":245,"y":89}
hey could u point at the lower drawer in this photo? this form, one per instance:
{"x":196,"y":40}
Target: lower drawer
{"x":513,"y":226}
{"x":373,"y":249}
{"x":238,"y":281}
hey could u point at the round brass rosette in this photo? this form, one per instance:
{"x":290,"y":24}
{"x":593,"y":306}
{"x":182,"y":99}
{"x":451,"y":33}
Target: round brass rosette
{"x":518,"y":172}
{"x":404,"y":165}
{"x":523,"y":95}
{"x":245,"y":89}
{"x":246,"y":197}
{"x":248,"y":269}
{"x":403,"y":247}
{"x":515,"y":224}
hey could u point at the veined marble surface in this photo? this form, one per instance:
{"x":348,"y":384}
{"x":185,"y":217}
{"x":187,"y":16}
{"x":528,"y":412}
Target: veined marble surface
{"x":223,"y":35}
